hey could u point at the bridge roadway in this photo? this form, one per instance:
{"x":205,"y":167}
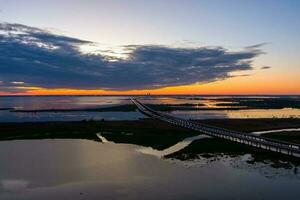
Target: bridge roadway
{"x":235,"y":136}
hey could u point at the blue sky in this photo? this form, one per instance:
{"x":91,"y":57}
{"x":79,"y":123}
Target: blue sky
{"x":214,"y":22}
{"x":232,"y":24}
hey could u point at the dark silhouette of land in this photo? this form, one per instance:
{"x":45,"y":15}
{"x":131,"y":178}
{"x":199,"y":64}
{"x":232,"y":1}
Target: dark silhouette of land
{"x":160,"y":135}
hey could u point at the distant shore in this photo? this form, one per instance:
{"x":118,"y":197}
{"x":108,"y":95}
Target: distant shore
{"x":218,"y":104}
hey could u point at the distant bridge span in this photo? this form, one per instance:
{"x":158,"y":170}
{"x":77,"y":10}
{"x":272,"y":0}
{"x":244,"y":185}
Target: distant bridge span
{"x":235,"y":136}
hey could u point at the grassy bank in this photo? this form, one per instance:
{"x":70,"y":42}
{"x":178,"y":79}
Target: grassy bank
{"x":143,"y":132}
{"x":160,"y":135}
{"x":150,"y":131}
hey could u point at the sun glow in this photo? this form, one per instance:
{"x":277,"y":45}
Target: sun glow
{"x":109,"y":52}
{"x":236,"y":85}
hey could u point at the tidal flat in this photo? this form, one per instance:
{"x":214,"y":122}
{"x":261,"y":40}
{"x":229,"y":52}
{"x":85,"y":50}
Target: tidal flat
{"x":159,"y":135}
{"x":143,"y":159}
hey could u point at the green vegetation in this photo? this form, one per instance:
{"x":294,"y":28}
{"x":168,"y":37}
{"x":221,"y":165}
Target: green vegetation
{"x":291,"y":136}
{"x":212,"y":148}
{"x":156,"y":134}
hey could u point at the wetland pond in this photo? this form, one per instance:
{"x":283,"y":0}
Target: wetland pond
{"x":85,"y":169}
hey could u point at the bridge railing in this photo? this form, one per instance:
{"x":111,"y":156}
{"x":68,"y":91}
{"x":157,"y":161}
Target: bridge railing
{"x":216,"y":131}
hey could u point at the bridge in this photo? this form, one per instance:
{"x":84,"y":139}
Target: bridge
{"x":250,"y":139}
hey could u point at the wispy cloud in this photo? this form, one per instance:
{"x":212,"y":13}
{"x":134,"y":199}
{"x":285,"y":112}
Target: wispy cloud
{"x":255,"y":46}
{"x":40,"y":58}
{"x":266,"y":67}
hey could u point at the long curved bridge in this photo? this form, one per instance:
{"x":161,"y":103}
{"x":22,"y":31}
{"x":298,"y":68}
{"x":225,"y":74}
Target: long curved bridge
{"x":235,"y":136}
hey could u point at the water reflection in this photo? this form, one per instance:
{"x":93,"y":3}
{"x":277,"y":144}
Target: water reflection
{"x":201,"y":150}
{"x":60,"y":102}
{"x":204,"y":102}
{"x":81,"y":169}
{"x":248,"y":113}
{"x":14,"y":185}
{"x":6,"y":116}
{"x":96,"y":102}
{"x":172,"y":149}
{"x":277,"y":131}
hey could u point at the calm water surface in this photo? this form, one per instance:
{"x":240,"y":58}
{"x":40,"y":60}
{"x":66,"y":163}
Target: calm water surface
{"x":81,"y":102}
{"x":248,"y":113}
{"x":81,"y":169}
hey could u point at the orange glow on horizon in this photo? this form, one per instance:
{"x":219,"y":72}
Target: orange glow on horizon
{"x":252,"y":85}
{"x":216,"y":88}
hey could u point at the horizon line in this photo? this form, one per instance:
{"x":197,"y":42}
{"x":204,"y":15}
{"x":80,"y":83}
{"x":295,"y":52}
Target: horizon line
{"x":45,"y":95}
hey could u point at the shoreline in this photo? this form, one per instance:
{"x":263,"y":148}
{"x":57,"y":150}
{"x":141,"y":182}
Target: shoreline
{"x":87,"y":127}
{"x":160,"y":136}
{"x":158,"y":107}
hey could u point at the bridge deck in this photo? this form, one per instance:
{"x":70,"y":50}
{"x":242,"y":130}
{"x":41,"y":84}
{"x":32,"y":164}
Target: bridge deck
{"x":239,"y":137}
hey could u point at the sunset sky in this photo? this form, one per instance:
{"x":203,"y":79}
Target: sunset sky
{"x":50,"y":47}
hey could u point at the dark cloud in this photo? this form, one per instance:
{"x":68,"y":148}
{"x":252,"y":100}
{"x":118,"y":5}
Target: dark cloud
{"x":257,"y":45}
{"x":40,"y":58}
{"x":265,"y":67}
